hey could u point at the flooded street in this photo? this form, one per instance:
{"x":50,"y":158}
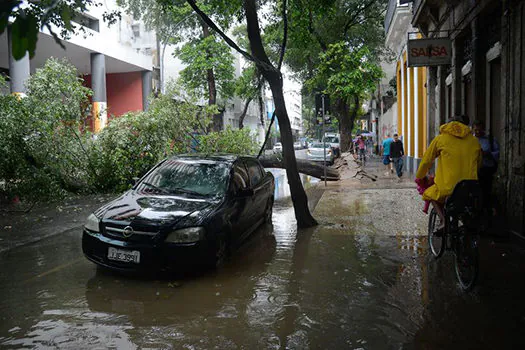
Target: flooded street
{"x":361,"y":279}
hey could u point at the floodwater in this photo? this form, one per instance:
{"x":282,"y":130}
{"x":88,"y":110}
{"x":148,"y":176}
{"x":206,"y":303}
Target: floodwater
{"x":282,"y":190}
{"x":345,"y":284}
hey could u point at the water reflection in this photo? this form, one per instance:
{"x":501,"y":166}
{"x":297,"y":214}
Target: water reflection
{"x":282,"y":189}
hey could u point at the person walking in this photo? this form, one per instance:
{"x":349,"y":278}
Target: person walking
{"x":396,"y":153}
{"x":489,"y":164}
{"x":362,"y":148}
{"x":386,"y":154}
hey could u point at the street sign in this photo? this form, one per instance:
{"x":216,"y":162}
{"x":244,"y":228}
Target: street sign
{"x":429,"y":52}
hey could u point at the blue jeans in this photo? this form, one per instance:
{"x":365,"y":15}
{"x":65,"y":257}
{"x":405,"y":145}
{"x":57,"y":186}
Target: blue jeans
{"x":398,"y":165}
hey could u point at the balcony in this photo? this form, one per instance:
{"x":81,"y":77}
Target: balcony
{"x":394,"y":6}
{"x":397,"y":23}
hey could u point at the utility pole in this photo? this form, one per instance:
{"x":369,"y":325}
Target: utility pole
{"x":324,"y":142}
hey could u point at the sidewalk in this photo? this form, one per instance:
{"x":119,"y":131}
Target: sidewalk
{"x":369,"y":199}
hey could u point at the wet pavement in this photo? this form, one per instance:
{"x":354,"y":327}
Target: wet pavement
{"x":361,"y":279}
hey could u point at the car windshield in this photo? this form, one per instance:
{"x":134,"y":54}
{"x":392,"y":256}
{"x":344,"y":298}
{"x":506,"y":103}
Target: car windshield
{"x":332,"y":139}
{"x":198,"y":177}
{"x":318,"y":145}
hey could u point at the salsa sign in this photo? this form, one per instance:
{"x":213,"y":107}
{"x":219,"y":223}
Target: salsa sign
{"x":429,"y":52}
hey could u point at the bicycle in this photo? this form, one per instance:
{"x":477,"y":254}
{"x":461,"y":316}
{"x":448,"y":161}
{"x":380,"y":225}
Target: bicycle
{"x":461,"y":233}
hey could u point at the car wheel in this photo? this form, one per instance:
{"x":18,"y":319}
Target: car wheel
{"x":268,"y":212}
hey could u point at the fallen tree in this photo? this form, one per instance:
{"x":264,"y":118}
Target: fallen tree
{"x":303,"y":166}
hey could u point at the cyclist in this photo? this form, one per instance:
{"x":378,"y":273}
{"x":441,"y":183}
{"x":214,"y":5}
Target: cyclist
{"x":459,"y":157}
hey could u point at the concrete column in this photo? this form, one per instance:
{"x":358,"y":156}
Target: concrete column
{"x":409,"y":113}
{"x":19,"y":71}
{"x":456,"y":76}
{"x":416,"y":116}
{"x":98,"y":85}
{"x":146,"y":88}
{"x":401,"y":128}
{"x":478,"y":64}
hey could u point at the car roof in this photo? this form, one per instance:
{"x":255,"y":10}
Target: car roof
{"x":213,"y":157}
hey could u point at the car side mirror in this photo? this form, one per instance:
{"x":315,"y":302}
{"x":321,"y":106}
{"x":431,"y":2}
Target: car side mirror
{"x":247,"y":192}
{"x":134,"y":180}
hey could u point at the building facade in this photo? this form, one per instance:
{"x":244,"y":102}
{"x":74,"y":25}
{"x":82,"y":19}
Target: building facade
{"x":113,"y":60}
{"x":484,"y":81}
{"x":411,"y":87}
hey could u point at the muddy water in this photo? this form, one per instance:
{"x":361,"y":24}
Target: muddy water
{"x":282,"y":190}
{"x":345,"y":284}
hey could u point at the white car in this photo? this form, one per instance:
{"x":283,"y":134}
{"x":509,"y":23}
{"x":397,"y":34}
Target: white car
{"x":297,"y":145}
{"x":333,"y":141}
{"x":278,"y":147}
{"x":316,"y":150}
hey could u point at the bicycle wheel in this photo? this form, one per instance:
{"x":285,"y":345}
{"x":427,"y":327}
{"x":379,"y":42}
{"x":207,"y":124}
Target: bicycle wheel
{"x":436,"y":244}
{"x":466,"y":261}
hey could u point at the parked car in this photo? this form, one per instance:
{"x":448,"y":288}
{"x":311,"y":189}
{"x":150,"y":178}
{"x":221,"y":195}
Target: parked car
{"x":278,"y":147}
{"x":315,"y":152}
{"x":187,"y":210}
{"x":333,"y":140}
{"x":297,"y":145}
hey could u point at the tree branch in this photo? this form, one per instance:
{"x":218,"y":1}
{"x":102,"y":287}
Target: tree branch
{"x":229,"y":41}
{"x":244,"y":111}
{"x":312,"y":31}
{"x":350,"y":22}
{"x":267,"y":135}
{"x":285,"y":35}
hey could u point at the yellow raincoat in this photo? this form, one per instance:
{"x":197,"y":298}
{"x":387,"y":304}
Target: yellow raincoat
{"x":459,"y":156}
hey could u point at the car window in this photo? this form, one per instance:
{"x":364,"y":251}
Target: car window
{"x":240,"y":179}
{"x":255,"y":171}
{"x":319,"y":145}
{"x":201,"y":177}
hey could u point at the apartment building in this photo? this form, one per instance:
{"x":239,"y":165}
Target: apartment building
{"x":114,"y":61}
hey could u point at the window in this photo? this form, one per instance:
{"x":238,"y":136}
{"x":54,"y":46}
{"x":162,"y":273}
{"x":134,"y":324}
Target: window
{"x":136,"y":30}
{"x":240,"y":178}
{"x":86,"y":21}
{"x":206,"y":178}
{"x":255,"y":172}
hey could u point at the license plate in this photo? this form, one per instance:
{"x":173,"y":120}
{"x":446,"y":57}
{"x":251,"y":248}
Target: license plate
{"x":124,"y":255}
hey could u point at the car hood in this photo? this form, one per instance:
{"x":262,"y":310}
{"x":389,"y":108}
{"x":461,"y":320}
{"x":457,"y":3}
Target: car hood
{"x":159,"y":210}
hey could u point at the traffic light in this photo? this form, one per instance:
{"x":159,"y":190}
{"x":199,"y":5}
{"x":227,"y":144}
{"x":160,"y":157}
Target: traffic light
{"x":319,"y":104}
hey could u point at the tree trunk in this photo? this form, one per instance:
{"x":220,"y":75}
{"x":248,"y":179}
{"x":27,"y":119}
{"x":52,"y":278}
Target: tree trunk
{"x":243,"y":114}
{"x":346,"y":121}
{"x":274,"y":79}
{"x":212,"y":88}
{"x":303,"y":166}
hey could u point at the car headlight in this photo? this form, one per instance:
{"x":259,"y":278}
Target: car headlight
{"x":92,"y":223}
{"x":186,"y":235}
